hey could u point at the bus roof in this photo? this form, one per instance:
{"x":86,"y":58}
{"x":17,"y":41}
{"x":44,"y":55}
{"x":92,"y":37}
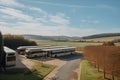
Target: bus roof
{"x":24,"y":47}
{"x":62,"y":48}
{"x":50,"y":47}
{"x":8,"y":50}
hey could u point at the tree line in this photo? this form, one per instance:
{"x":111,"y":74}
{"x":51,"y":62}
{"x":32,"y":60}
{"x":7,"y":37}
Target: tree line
{"x":14,"y":41}
{"x":105,"y":59}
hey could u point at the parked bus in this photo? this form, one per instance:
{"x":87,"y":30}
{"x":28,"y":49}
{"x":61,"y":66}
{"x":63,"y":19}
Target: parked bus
{"x":56,"y":52}
{"x":34,"y":52}
{"x":21,"y":49}
{"x":10,"y":56}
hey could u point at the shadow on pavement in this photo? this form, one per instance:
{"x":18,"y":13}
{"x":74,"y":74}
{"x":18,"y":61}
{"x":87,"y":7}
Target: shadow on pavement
{"x":65,"y":58}
{"x":71,"y":57}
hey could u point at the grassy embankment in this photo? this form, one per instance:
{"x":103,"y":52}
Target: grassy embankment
{"x":38,"y":72}
{"x":88,"y":72}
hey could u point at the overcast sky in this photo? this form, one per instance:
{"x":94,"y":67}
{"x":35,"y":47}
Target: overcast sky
{"x":59,"y":17}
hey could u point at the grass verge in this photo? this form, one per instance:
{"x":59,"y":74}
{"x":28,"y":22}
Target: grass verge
{"x":38,"y":72}
{"x":88,"y":72}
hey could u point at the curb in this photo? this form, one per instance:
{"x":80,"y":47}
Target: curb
{"x":80,"y":66}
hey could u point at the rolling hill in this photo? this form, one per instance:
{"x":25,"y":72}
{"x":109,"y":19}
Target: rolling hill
{"x":97,"y":37}
{"x":101,"y":35}
{"x":56,"y":38}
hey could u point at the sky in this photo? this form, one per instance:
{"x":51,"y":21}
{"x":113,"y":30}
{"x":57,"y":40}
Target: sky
{"x":59,"y":17}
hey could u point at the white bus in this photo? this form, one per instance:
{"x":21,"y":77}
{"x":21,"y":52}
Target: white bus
{"x":61,"y":51}
{"x":21,"y":49}
{"x":34,"y":52}
{"x":10,"y":56}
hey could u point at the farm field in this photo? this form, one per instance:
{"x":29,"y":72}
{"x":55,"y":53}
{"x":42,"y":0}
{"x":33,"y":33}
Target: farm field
{"x":75,"y":44}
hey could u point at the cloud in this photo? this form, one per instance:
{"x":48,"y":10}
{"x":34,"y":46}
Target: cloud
{"x":26,"y":24}
{"x":90,"y":21}
{"x":59,"y":18}
{"x":11,"y":3}
{"x":105,"y":6}
{"x":39,"y":10}
{"x":15,"y":13}
{"x":57,"y":4}
{"x":50,"y":24}
{"x":2,"y":22}
{"x":19,"y":15}
{"x":42,"y":29}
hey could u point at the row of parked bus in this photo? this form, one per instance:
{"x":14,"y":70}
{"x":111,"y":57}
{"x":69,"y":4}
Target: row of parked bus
{"x":37,"y":51}
{"x":48,"y":51}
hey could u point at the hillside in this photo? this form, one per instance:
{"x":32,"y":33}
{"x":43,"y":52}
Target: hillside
{"x":56,"y":38}
{"x":97,"y":37}
{"x":101,"y":35}
{"x":103,"y":39}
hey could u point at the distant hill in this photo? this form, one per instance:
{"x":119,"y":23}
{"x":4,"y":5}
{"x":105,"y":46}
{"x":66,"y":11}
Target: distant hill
{"x":101,"y":35}
{"x":56,"y":38}
{"x":66,"y":38}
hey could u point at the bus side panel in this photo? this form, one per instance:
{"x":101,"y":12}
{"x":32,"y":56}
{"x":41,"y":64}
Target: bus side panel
{"x":11,"y":60}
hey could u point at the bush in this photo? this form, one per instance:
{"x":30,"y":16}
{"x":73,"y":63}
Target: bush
{"x":116,"y":40}
{"x":109,"y":43}
{"x":14,"y":41}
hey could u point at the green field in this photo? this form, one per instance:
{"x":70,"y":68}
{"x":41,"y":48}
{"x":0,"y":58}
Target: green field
{"x":88,"y":72}
{"x":37,"y":73}
{"x":74,"y":44}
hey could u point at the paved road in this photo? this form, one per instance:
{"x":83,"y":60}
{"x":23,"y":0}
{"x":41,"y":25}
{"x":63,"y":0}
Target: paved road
{"x":67,"y":71}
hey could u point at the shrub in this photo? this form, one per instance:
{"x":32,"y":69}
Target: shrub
{"x":111,"y":43}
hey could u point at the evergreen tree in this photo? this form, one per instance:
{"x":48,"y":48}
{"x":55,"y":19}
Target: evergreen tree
{"x":2,"y":53}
